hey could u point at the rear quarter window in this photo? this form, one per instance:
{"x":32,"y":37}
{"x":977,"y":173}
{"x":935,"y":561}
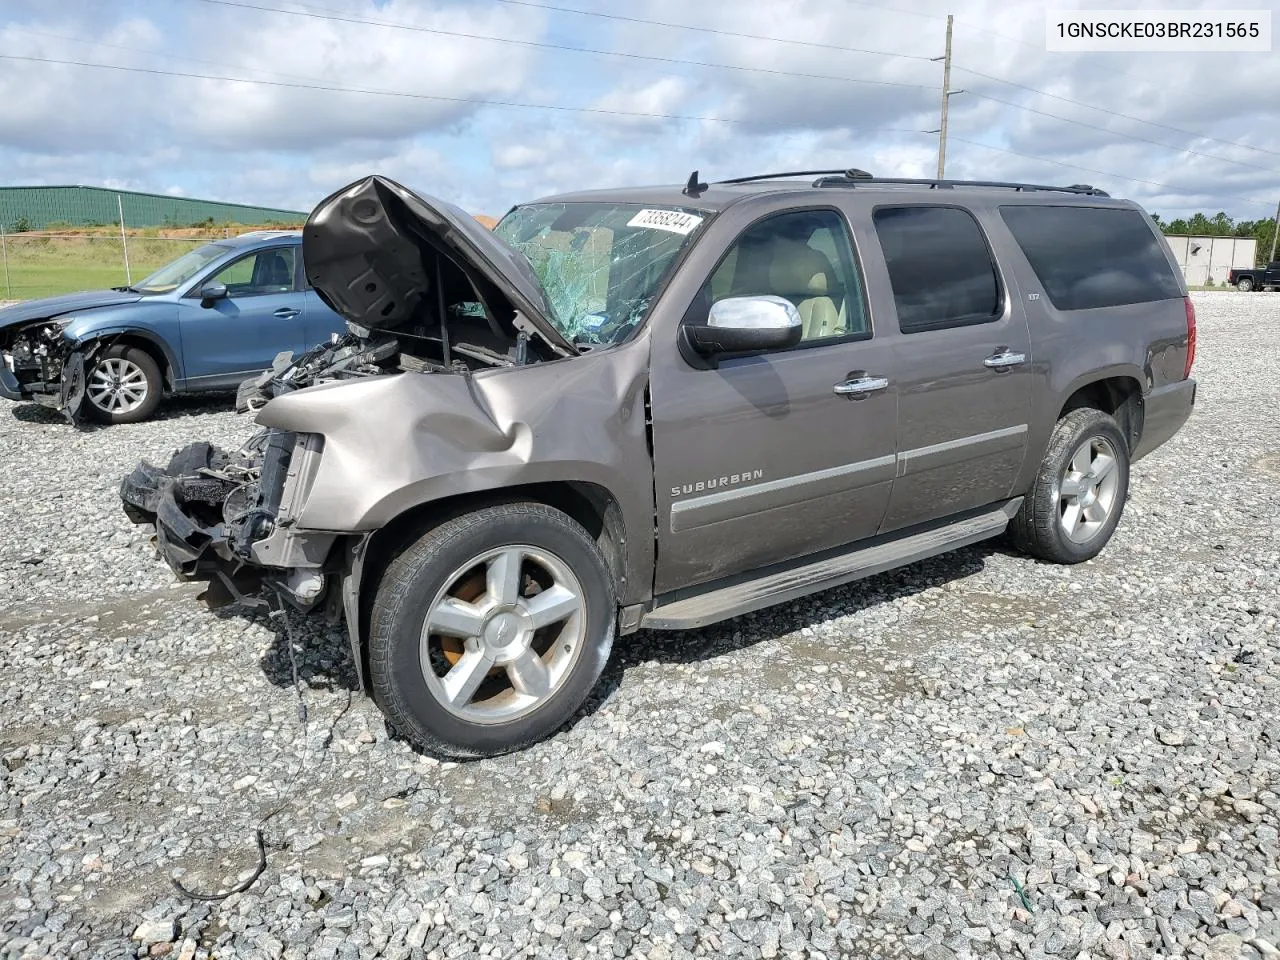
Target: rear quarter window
{"x":1088,"y":257}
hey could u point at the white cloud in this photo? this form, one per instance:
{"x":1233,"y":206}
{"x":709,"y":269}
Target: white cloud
{"x":519,"y":156}
{"x":288,"y":147}
{"x":422,"y":65}
{"x":442,"y":78}
{"x":662,"y":98}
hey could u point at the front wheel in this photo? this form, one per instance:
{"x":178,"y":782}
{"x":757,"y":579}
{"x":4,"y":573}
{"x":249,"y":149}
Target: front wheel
{"x":1245,"y":285}
{"x":123,"y":385}
{"x":491,"y":630}
{"x":1075,"y":504}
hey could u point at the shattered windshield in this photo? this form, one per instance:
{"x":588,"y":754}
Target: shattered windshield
{"x":175,"y":274}
{"x":600,"y":264}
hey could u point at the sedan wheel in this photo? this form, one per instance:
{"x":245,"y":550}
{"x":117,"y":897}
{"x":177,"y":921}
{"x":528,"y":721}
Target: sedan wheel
{"x":124,"y":385}
{"x":117,"y":386}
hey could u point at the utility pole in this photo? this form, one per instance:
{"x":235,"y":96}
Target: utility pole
{"x":1275,"y":233}
{"x":124,"y":242}
{"x":4,"y":250}
{"x":947,"y":93}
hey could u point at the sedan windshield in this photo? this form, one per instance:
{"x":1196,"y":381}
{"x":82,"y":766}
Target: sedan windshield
{"x":180,"y":271}
{"x":600,"y":264}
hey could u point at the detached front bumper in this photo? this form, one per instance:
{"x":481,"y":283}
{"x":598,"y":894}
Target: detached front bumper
{"x":229,"y":521}
{"x":191,"y":547}
{"x":52,"y":381}
{"x":10,"y":388}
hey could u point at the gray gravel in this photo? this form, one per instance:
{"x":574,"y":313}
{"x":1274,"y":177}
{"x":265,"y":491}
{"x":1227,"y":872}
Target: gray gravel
{"x":875,"y":771}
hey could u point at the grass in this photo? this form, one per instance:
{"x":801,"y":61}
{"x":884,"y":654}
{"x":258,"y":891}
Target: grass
{"x":44,"y":266}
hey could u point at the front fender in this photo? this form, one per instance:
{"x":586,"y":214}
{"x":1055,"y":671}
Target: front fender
{"x":86,"y":329}
{"x":396,"y":442}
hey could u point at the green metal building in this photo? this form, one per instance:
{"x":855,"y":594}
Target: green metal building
{"x":34,"y":208}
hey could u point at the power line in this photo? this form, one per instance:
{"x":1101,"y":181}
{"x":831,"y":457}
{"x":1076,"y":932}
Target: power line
{"x":323,"y":13}
{"x":751,"y":36}
{"x":312,"y":13}
{"x":156,"y":53}
{"x":1114,"y":113}
{"x":320,"y":86}
{"x":621,"y":18}
{"x":331,"y":88}
{"x":754,"y":36}
{"x":566,"y":48}
{"x":1030,"y":89}
{"x":1117,"y":133}
{"x":1039,"y":48}
{"x":1105,"y":173}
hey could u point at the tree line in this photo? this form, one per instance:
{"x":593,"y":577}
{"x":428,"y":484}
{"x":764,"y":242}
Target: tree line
{"x":1220,"y":225}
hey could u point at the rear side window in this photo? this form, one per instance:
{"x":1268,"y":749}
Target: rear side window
{"x":940,"y":267}
{"x":1090,"y":257}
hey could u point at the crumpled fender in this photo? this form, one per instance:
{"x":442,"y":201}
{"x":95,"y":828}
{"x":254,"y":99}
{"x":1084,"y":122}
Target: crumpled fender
{"x":83,"y":331}
{"x":396,"y":442}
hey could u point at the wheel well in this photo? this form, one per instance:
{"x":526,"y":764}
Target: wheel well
{"x":590,"y":505}
{"x":1121,"y":397}
{"x":150,"y":347}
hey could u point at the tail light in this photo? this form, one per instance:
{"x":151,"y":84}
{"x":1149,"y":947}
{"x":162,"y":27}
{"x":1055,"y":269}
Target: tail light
{"x":1191,"y":336}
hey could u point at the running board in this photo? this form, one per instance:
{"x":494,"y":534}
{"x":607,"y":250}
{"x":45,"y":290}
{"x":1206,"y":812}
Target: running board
{"x":794,"y":582}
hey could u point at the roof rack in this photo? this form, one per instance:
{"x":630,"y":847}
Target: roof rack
{"x":847,"y":174}
{"x":846,"y":181}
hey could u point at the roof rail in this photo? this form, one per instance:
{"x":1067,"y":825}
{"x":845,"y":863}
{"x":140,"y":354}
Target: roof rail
{"x":848,"y":173}
{"x":845,"y":181}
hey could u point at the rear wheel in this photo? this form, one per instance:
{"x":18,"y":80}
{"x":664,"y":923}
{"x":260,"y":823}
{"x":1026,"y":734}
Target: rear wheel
{"x":123,"y":385}
{"x":491,"y":630}
{"x":1245,"y":284}
{"x":1075,"y":504}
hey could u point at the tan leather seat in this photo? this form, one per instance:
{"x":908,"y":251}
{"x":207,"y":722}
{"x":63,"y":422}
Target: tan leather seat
{"x":803,"y":275}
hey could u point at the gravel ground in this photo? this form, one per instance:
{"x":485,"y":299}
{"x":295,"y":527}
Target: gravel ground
{"x":976,"y":756}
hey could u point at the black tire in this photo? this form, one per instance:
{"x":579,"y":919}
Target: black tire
{"x":410,"y":585}
{"x":1244,"y":285}
{"x":150,"y":371}
{"x":1038,"y":528}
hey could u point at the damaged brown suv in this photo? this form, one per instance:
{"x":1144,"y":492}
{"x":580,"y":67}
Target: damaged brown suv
{"x":665,"y":407}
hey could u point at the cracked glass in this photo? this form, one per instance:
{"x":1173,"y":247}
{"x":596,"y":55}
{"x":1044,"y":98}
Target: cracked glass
{"x":600,"y":265}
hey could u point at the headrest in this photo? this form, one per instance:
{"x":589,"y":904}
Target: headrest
{"x":797,"y":270}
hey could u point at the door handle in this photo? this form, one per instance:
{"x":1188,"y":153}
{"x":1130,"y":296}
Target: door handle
{"x":1005,"y":359}
{"x":286,"y":313}
{"x":860,"y":387}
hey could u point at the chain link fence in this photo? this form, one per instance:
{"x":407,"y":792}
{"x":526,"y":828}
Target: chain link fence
{"x":43,"y":264}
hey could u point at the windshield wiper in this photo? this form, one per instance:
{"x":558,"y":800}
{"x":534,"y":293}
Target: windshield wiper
{"x":126,"y":289}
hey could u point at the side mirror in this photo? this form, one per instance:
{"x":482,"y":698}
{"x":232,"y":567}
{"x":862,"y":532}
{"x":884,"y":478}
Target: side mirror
{"x":211,"y":292}
{"x":746,"y":324}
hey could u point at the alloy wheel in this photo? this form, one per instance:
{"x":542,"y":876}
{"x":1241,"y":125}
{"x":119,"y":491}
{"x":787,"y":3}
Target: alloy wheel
{"x":1087,"y":493}
{"x":503,"y":634}
{"x":117,"y":386}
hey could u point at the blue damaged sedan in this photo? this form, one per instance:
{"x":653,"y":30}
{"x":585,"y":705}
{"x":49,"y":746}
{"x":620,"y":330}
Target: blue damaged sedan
{"x":203,"y":323}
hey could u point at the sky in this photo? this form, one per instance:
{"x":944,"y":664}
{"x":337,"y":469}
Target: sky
{"x":488,"y":103}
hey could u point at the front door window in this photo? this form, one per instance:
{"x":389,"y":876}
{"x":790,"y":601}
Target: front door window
{"x":261,"y":273}
{"x":803,"y":257}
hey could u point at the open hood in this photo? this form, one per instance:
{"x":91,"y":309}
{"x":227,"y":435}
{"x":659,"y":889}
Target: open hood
{"x":369,"y":251}
{"x":49,"y":307}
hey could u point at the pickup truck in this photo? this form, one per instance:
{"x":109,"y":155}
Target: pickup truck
{"x":1255,"y":278}
{"x":664,"y":407}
